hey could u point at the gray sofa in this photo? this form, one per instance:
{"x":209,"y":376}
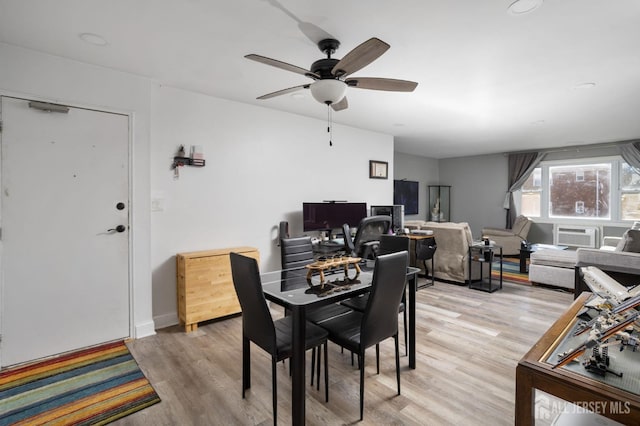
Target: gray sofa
{"x":553,"y":267}
{"x":622,"y":263}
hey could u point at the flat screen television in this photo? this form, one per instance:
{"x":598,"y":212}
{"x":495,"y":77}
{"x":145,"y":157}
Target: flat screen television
{"x":324,"y":216}
{"x":405,"y":192}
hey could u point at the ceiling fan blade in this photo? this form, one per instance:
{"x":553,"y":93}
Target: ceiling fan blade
{"x":339,"y":106}
{"x":388,"y":84}
{"x":313,"y":32}
{"x":282,"y":65}
{"x":284,"y":91}
{"x":360,"y":57}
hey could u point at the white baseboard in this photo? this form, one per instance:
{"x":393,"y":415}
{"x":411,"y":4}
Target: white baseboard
{"x":144,"y":330}
{"x":166,"y":320}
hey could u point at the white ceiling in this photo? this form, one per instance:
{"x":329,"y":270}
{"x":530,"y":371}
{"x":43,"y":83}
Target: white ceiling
{"x":489,"y":81}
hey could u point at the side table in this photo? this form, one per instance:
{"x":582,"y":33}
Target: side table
{"x":525,"y":253}
{"x":484,"y":254}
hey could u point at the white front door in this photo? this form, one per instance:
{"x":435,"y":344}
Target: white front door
{"x":65,"y":190}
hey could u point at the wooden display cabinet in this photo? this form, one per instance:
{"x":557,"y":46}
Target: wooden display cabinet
{"x":534,"y":372}
{"x":439,"y":208}
{"x":205,"y":285}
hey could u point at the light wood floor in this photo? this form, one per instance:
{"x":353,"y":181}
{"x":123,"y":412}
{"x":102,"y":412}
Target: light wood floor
{"x":468,"y":345}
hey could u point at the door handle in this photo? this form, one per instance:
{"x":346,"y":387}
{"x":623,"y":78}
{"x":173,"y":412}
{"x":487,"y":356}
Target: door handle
{"x":119,"y":228}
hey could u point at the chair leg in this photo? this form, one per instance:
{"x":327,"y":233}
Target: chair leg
{"x":361,"y":362}
{"x":318,"y":370}
{"x":326,"y":372}
{"x":246,"y":365}
{"x":274,"y":384}
{"x":377,"y":358}
{"x":395,"y":338}
{"x":313,"y":363}
{"x":406,"y":346}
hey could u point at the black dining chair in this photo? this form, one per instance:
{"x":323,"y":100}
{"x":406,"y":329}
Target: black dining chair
{"x":357,"y":331}
{"x":297,"y":252}
{"x":388,"y":244}
{"x":259,"y":327}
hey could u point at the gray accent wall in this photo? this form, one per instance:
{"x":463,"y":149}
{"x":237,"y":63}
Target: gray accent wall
{"x":421,"y":169}
{"x":478,"y":187}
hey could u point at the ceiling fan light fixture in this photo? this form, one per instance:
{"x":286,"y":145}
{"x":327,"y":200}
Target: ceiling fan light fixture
{"x":328,"y":91}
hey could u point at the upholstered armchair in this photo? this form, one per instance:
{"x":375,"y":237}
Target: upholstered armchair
{"x":510,"y":239}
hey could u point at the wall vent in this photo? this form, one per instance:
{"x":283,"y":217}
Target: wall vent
{"x":575,"y":236}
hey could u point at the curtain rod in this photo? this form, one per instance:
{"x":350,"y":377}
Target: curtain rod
{"x":577,"y":148}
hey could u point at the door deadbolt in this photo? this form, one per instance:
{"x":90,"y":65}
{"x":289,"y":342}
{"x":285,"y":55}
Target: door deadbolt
{"x":120,"y":206}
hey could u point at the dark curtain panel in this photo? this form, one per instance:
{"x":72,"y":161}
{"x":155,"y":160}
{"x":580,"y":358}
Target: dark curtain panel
{"x":520,"y":167}
{"x":631,"y":154}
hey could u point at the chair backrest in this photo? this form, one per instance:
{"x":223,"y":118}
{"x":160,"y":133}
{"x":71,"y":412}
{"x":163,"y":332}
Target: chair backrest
{"x":369,"y":231}
{"x":257,"y":323}
{"x":521,"y":226}
{"x":348,"y":242}
{"x":283,"y":230}
{"x":393,"y":244}
{"x":295,"y":252}
{"x":380,"y":319}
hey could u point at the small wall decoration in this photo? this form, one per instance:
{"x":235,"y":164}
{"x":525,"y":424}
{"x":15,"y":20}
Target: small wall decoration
{"x":378,"y":169}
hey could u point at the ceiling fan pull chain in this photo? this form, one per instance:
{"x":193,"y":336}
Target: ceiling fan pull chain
{"x":329,"y":125}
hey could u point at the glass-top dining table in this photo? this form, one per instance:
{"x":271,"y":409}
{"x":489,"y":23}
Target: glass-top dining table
{"x":292,"y":290}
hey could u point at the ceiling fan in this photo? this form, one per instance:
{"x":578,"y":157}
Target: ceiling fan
{"x":330,"y":74}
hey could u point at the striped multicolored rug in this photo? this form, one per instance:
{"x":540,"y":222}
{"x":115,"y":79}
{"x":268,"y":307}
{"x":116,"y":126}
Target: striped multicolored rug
{"x":510,"y":271}
{"x":90,"y":387}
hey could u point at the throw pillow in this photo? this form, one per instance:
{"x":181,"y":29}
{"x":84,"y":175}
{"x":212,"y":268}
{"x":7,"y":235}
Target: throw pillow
{"x":630,"y":241}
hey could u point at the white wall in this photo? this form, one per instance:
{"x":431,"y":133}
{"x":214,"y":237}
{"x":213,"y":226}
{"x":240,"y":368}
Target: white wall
{"x":261,"y":165}
{"x":55,"y":79}
{"x":423,"y":170}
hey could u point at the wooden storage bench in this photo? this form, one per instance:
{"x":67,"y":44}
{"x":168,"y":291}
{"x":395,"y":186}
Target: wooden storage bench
{"x":205,"y":285}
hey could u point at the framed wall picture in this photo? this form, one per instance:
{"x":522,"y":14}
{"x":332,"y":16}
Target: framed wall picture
{"x":378,"y":169}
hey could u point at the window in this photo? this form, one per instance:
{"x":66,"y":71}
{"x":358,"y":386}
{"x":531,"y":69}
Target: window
{"x":593,"y":189}
{"x":589,"y":196}
{"x":629,"y":193}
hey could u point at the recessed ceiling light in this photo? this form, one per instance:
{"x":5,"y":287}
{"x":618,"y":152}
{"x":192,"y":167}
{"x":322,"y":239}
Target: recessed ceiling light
{"x":520,"y":7}
{"x":95,"y":39}
{"x":587,"y":85}
{"x":537,"y":123}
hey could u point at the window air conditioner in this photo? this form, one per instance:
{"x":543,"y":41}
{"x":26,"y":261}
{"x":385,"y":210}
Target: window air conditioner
{"x":575,"y":236}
